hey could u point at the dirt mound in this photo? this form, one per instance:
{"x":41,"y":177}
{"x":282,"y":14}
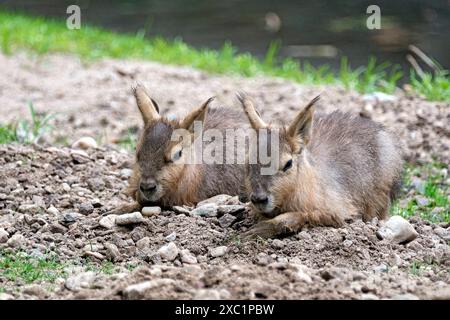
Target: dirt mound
{"x":53,"y":201}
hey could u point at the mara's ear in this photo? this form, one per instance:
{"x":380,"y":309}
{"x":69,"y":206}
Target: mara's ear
{"x":198,"y":114}
{"x":148,"y":107}
{"x":301,"y":126}
{"x":249,"y":109}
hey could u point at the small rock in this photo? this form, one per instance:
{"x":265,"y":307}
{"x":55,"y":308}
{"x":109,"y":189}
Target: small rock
{"x":418,"y":184}
{"x":171,"y":237}
{"x":397,"y":230}
{"x":57,"y":228}
{"x":169,"y":251}
{"x":379,"y":96}
{"x":84,"y":143}
{"x":112,"y":252}
{"x":232,"y":209}
{"x":66,"y":187}
{"x":53,"y":211}
{"x":263,"y":259}
{"x":70,"y":217}
{"x":108,"y":222}
{"x":206,"y":210}
{"x":422,"y":201}
{"x":129,"y":218}
{"x":381,"y":268}
{"x":218,"y":251}
{"x":4,"y":235}
{"x":217,"y":200}
{"x":187,"y":257}
{"x":80,"y":281}
{"x":143,"y":243}
{"x":405,"y":296}
{"x":5,"y":296}
{"x":278,"y":244}
{"x":16,"y":241}
{"x":369,"y":296}
{"x":226,"y":220}
{"x":86,"y":208}
{"x":212,"y":294}
{"x":139,"y":290}
{"x":181,"y":210}
{"x":126,"y":173}
{"x":94,"y":254}
{"x":441,"y":232}
{"x":29,"y":208}
{"x":150,"y":211}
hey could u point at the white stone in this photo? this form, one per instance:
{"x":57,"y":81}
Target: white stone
{"x":85,"y":143}
{"x":217,"y":200}
{"x":4,"y":235}
{"x":129,"y":218}
{"x":168,"y":251}
{"x":53,"y":211}
{"x":206,"y":210}
{"x":137,"y":291}
{"x":171,"y":237}
{"x":143,"y":243}
{"x":5,"y":296}
{"x":79,"y":281}
{"x":397,"y":230}
{"x":126,"y":173}
{"x":218,"y":251}
{"x":108,"y":222}
{"x":187,"y":257}
{"x":150,"y":211}
{"x":16,"y":241}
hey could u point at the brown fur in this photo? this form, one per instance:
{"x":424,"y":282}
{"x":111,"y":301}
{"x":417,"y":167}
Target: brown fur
{"x":179,"y":183}
{"x":343,"y":166}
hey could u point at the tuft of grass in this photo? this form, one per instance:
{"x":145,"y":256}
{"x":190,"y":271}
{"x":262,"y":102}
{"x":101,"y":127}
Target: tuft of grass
{"x":128,"y":142}
{"x":435,"y":190}
{"x":26,"y":131}
{"x":42,"y":35}
{"x":433,"y":87}
{"x":19,"y":266}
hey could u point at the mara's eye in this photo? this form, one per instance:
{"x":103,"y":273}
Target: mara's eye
{"x":287,"y":166}
{"x":177,"y":155}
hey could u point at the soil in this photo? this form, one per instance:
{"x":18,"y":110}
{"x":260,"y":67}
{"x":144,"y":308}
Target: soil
{"x":94,"y":99}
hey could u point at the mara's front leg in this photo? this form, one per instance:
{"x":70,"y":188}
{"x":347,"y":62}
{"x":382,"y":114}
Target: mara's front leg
{"x":291,"y":222}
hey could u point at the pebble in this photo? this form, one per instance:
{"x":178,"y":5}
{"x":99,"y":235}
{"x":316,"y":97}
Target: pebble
{"x":112,"y":252}
{"x":129,"y":218}
{"x":206,"y":210}
{"x":108,"y":222}
{"x":53,"y":211}
{"x":397,"y":230}
{"x":168,"y":251}
{"x":139,"y":290}
{"x":422,"y":201}
{"x":86,"y":208}
{"x":226,"y":220}
{"x":143,"y":243}
{"x":94,"y":254}
{"x":84,"y":143}
{"x":16,"y":241}
{"x":405,"y":296}
{"x":29,"y":208}
{"x":441,"y":232}
{"x":181,"y":210}
{"x":70,"y":217}
{"x":126,"y":173}
{"x":171,"y":237}
{"x":80,"y":281}
{"x":150,"y":211}
{"x":218,"y":251}
{"x":278,"y":244}
{"x":4,"y":235}
{"x":231,"y":209}
{"x":381,"y":268}
{"x":212,"y":294}
{"x":418,"y":184}
{"x":220,"y":199}
{"x":369,"y":296}
{"x":187,"y":257}
{"x":5,"y":296}
{"x":66,"y":187}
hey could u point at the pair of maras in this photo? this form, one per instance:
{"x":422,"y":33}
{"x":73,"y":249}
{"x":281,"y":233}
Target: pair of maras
{"x":330,"y":168}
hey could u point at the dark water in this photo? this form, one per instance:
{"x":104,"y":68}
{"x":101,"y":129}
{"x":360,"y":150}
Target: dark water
{"x":329,"y":29}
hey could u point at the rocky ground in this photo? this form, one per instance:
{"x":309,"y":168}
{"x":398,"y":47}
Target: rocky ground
{"x":54,"y":199}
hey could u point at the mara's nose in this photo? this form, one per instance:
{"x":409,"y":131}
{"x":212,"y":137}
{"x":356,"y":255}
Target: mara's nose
{"x":148,"y":186}
{"x":259,"y":198}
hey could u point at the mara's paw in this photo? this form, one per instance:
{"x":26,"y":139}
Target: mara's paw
{"x":264,"y":229}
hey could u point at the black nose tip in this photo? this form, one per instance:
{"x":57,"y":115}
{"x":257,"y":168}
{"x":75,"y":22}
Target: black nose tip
{"x":148,"y":186}
{"x":259,"y":198}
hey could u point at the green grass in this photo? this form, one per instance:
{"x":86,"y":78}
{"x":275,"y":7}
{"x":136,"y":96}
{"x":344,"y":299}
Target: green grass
{"x":42,"y":35}
{"x":26,"y":131}
{"x":19,"y":266}
{"x":435,"y":190}
{"x":432,"y":87}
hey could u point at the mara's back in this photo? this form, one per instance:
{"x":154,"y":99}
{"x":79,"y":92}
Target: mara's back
{"x":358,"y":157}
